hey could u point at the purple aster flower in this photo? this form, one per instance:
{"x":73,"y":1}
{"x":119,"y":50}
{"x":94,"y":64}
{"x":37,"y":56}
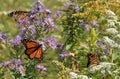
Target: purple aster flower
{"x":32,"y":28}
{"x":48,"y":11}
{"x":58,"y":13}
{"x":29,"y":32}
{"x":87,"y":27}
{"x":99,"y":43}
{"x":39,"y":7}
{"x":3,"y":35}
{"x":64,"y":54}
{"x":5,"y":64}
{"x":23,"y":23}
{"x":68,"y":4}
{"x":20,"y":69}
{"x":12,"y":65}
{"x":40,"y":67}
{"x":17,"y":40}
{"x":49,"y":21}
{"x":94,"y":23}
{"x":71,"y":6}
{"x":33,"y":12}
{"x":51,"y":42}
{"x":32,"y":31}
{"x":40,"y":22}
{"x":16,"y":61}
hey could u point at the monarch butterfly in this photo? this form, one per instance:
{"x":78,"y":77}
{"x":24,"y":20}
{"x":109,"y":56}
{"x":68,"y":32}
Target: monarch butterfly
{"x":19,"y":15}
{"x":33,"y":49}
{"x":93,"y":60}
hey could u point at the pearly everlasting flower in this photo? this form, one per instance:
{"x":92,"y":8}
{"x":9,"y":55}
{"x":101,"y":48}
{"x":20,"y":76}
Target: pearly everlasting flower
{"x":73,"y":75}
{"x":117,"y":36}
{"x":118,"y":24}
{"x":101,"y":66}
{"x":111,"y":23}
{"x":83,"y":77}
{"x":109,"y":42}
{"x":112,"y":31}
{"x":111,"y":15}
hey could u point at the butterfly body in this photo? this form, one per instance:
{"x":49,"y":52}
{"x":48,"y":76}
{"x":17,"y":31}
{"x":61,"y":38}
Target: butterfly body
{"x":33,"y":49}
{"x":93,"y":60}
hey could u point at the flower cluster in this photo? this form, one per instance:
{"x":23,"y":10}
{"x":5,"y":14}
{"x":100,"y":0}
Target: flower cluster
{"x":40,"y":67}
{"x":102,"y":66}
{"x":113,"y":25}
{"x":110,"y":42}
{"x":15,"y":64}
{"x":51,"y":42}
{"x":89,"y":25}
{"x":73,"y":75}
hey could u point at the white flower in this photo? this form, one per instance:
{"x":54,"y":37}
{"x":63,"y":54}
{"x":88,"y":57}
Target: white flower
{"x":110,"y":42}
{"x":101,"y":66}
{"x":82,"y":77}
{"x":117,"y":36}
{"x":118,"y":24}
{"x":112,"y":31}
{"x":73,"y":75}
{"x":112,"y":15}
{"x":111,"y":23}
{"x":103,"y":71}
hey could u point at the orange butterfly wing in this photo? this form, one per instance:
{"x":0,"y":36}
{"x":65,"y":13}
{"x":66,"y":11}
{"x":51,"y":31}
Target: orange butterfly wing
{"x":19,"y":15}
{"x":33,"y":49}
{"x":93,"y":60}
